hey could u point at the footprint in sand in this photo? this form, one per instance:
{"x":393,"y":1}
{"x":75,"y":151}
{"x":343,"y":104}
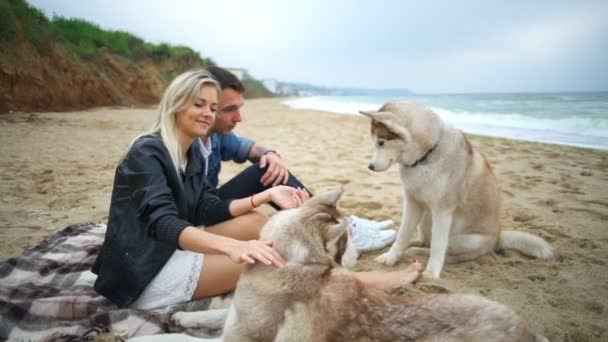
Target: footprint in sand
{"x":585,"y":243}
{"x":108,"y":166}
{"x":596,"y":261}
{"x":594,"y":307}
{"x":532,"y":183}
{"x":44,"y":182}
{"x":557,"y":232}
{"x":433,"y":288}
{"x":508,"y":193}
{"x":520,"y":186}
{"x":524,"y":217}
{"x":574,"y":192}
{"x":513,"y":263}
{"x":391,"y":183}
{"x":368,"y":195}
{"x":553,"y":302}
{"x":601,"y":216}
{"x":563,"y":259}
{"x":370,"y":205}
{"x":537,"y":278}
{"x":485,"y":292}
{"x":602,"y":203}
{"x":343,"y":155}
{"x":349,"y":204}
{"x":551,"y":202}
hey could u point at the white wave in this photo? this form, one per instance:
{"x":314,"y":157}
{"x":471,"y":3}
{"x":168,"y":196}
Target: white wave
{"x":573,"y":130}
{"x":574,"y":125}
{"x":326,"y":104}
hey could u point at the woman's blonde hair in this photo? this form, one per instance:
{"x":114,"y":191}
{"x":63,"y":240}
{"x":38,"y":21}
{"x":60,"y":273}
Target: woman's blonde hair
{"x":180,"y":94}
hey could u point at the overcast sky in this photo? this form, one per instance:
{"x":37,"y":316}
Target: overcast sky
{"x":425,"y":46}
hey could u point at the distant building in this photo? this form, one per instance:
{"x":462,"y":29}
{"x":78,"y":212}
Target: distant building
{"x":238,"y":72}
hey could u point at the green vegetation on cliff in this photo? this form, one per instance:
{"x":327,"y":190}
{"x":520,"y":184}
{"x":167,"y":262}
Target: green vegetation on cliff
{"x":69,"y":63}
{"x":85,"y":38}
{"x":255,"y":88}
{"x":35,"y":24}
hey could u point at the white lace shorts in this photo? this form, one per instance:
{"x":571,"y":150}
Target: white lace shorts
{"x":174,"y":284}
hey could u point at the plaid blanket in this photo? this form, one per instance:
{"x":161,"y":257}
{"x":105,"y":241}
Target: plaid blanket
{"x":46,"y":294}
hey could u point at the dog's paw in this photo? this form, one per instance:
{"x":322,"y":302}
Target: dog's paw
{"x":388,"y":258}
{"x":185,"y":319}
{"x":210,"y":319}
{"x":350,"y":256}
{"x":429,"y":274}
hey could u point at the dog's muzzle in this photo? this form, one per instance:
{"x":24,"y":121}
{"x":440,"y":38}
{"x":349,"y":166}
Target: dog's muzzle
{"x":371,"y":167}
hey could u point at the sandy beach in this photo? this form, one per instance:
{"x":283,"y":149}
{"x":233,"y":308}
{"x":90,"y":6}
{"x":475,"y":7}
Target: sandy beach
{"x":58,"y":168}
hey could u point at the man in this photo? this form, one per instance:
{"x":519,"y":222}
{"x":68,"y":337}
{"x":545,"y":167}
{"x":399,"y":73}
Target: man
{"x":268,"y":169}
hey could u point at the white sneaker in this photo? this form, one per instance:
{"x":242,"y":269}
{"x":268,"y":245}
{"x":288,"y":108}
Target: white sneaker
{"x":370,"y":224}
{"x":366,"y":239}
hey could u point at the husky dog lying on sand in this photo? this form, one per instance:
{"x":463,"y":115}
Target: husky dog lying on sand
{"x":450,"y":192}
{"x":313,"y":298}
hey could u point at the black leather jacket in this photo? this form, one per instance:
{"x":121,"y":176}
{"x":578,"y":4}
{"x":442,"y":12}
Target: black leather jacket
{"x":150,"y":207}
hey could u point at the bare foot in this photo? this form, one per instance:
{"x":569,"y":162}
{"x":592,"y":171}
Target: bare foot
{"x":397,"y":279}
{"x":412,"y":273}
{"x":389,"y":281}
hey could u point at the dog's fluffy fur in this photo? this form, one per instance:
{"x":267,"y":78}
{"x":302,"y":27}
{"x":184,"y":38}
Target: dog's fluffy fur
{"x":312,"y":298}
{"x":450,"y":192}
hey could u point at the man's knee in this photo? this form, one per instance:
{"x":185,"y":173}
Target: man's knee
{"x":256,"y":170}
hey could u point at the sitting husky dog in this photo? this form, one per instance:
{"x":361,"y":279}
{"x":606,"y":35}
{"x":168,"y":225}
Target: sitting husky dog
{"x":312,"y":298}
{"x":449,"y":188}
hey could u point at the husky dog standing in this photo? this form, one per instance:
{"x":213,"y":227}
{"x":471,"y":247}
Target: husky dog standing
{"x":450,"y":192}
{"x":313,"y":298}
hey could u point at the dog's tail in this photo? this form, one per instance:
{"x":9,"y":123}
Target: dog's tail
{"x":526,"y":243}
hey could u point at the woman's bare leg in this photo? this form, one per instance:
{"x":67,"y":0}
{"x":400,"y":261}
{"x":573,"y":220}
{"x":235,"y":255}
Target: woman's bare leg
{"x":244,"y":227}
{"x":393,"y":279}
{"x":219,"y":274}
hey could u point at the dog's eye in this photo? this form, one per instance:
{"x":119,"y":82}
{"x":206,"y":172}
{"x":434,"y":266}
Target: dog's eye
{"x":381,"y":143}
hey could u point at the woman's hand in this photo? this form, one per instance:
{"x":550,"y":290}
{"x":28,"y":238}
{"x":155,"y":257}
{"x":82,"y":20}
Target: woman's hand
{"x":284,"y":196}
{"x":287,"y":197}
{"x":255,"y":250}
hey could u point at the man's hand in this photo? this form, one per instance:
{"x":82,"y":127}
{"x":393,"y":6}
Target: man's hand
{"x":277,"y":172}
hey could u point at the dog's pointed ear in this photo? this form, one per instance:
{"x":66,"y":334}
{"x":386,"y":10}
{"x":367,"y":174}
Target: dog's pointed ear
{"x":385,"y":118}
{"x":329,"y":198}
{"x":333,"y":231}
{"x":374,"y":114}
{"x":368,"y":113}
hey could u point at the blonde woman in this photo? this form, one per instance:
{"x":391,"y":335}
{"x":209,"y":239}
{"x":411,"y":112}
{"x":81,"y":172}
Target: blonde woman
{"x":170,"y":238}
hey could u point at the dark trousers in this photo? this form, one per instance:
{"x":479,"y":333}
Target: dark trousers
{"x":248,"y":183}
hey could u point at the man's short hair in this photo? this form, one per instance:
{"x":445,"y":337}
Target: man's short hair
{"x":226,"y":79}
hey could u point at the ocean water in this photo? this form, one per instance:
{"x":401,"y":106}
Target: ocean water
{"x":577,"y":119}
